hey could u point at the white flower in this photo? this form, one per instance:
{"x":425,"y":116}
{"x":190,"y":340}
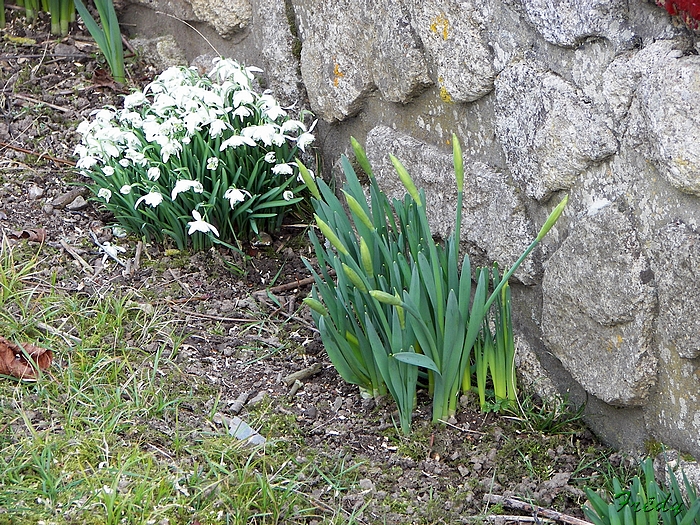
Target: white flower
{"x":236,"y":141}
{"x":153,"y":173}
{"x":185,"y":185}
{"x":137,"y":98}
{"x":270,"y":157}
{"x":292,"y":125}
{"x":270,"y":107}
{"x":199,"y":225}
{"x":217,"y":127}
{"x":264,"y":133}
{"x":108,"y":170}
{"x":125,"y":190}
{"x":304,"y":140}
{"x":153,"y":199}
{"x":234,"y":195}
{"x":301,"y":179}
{"x":244,"y":97}
{"x":282,"y":169}
{"x":105,"y":193}
{"x":212,"y":163}
{"x":124,"y":163}
{"x":288,"y":195}
{"x":242,"y":112}
{"x":86,"y":162}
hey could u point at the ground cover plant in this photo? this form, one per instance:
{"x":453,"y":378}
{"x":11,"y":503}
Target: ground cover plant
{"x":197,"y":159}
{"x":174,"y":344}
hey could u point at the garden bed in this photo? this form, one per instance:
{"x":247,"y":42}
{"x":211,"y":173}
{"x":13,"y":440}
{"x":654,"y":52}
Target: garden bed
{"x":212,"y":336}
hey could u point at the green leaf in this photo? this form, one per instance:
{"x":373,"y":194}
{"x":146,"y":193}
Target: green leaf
{"x":412,"y":358}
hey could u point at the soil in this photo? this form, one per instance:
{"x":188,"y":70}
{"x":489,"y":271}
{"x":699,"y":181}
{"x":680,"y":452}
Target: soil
{"x":248,"y":333}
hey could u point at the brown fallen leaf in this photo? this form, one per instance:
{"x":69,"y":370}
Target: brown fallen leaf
{"x":14,"y":361}
{"x":31,"y":235}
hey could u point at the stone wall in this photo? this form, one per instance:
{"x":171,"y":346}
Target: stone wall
{"x":599,"y":99}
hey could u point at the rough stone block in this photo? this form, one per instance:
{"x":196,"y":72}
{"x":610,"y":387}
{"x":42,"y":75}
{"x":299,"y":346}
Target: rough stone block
{"x":676,"y":264}
{"x":549,"y":132}
{"x":494,"y":223}
{"x":599,"y":308}
{"x":452,"y":35}
{"x":352,"y":48}
{"x":568,"y":22}
{"x":670,"y":101}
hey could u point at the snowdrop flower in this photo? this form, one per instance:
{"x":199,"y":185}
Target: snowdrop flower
{"x":264,"y":133}
{"x":108,"y":170}
{"x":270,"y":107}
{"x":236,"y":141}
{"x":304,"y":140}
{"x":124,"y":163}
{"x":86,"y":162}
{"x":153,"y":173}
{"x":153,"y":199}
{"x":137,"y":98}
{"x":136,"y":157}
{"x":242,"y":112}
{"x":301,"y":179}
{"x":185,"y":185}
{"x":125,"y":190}
{"x":292,"y":125}
{"x":282,"y":169}
{"x":234,"y":195}
{"x":243,"y":97}
{"x":199,"y":225}
{"x":288,"y":195}
{"x":105,"y":193}
{"x":270,"y":157}
{"x":217,"y":127}
{"x":212,"y":163}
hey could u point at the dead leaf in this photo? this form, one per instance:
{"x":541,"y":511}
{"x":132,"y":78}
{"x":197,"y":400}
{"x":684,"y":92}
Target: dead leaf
{"x":32,"y":235}
{"x":102,"y":78}
{"x":14,"y":360}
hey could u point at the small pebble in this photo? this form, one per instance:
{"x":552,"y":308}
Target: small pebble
{"x":35,"y":192}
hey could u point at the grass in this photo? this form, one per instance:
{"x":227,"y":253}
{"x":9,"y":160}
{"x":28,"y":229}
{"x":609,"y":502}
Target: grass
{"x":115,"y":433}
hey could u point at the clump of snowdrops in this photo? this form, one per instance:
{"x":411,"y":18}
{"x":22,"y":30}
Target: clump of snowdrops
{"x":199,"y":159}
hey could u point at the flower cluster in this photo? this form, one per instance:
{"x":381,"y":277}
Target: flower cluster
{"x":199,"y":159}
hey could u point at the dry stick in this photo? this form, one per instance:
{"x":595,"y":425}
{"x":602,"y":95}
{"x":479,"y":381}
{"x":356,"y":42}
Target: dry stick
{"x":302,"y":374}
{"x":37,"y":101}
{"x":547,"y":513}
{"x":216,"y":317}
{"x":292,"y":286}
{"x":77,"y":257}
{"x":40,"y":155}
{"x":47,"y":329}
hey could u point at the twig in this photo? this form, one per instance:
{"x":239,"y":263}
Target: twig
{"x":527,"y":507}
{"x":216,"y":317}
{"x":302,"y":374}
{"x":461,"y":428}
{"x":77,"y":257}
{"x":70,"y":339}
{"x":500,"y":518}
{"x":40,"y":155}
{"x":291,"y":286}
{"x":37,"y":101}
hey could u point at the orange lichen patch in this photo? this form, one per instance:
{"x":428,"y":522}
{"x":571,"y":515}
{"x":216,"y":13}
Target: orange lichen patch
{"x":440,"y":25}
{"x":444,"y":94}
{"x":337,"y":73}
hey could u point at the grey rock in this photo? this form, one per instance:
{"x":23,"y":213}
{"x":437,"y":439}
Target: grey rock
{"x":277,"y":51}
{"x":77,"y":204}
{"x":532,"y":377}
{"x":228,"y":17}
{"x":676,"y":263}
{"x":163,"y":52}
{"x":548,"y":129}
{"x":670,"y":101}
{"x":453,"y":38}
{"x":598,"y":308}
{"x":352,"y":48}
{"x":64,"y":199}
{"x":569,"y":22}
{"x":35,"y":192}
{"x":494,"y":222}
